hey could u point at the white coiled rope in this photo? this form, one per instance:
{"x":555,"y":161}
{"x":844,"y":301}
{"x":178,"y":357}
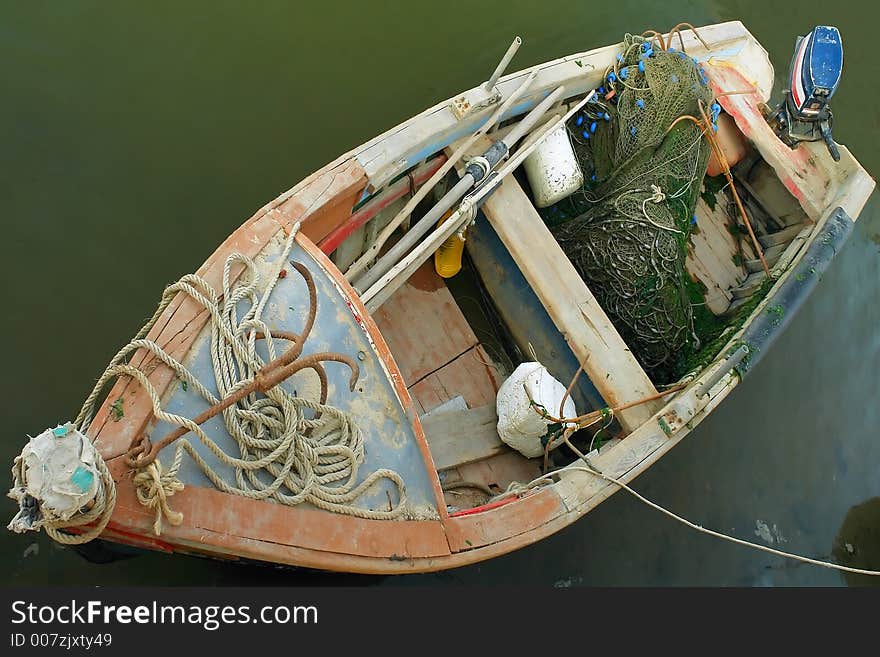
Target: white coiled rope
{"x":283,"y":455}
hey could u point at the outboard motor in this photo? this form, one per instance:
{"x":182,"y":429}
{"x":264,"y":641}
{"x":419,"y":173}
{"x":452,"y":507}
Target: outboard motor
{"x":804,"y":114}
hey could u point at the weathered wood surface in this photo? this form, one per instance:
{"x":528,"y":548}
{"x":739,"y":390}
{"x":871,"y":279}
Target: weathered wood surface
{"x":504,"y":523}
{"x":590,"y":334}
{"x":459,"y":437}
{"x":209,"y":510}
{"x":334,"y":193}
{"x":808,"y":172}
{"x":713,"y":254}
{"x":438,"y":353}
{"x":423,"y":325}
{"x":472,"y":375}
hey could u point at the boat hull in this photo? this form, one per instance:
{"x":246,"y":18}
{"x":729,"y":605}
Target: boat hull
{"x":228,"y":527}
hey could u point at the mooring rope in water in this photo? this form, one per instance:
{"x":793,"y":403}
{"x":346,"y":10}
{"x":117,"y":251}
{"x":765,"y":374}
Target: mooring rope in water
{"x":307,"y":459}
{"x":518,"y":490}
{"x":711,"y":532}
{"x":515,"y":489}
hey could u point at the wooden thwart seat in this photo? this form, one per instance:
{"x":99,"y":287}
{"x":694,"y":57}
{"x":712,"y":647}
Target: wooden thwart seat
{"x":589,"y":333}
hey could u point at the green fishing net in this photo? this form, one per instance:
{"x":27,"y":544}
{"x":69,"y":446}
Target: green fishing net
{"x":644,"y":167}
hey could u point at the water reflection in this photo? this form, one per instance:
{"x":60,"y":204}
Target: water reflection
{"x":857,"y":544}
{"x":145,"y":148}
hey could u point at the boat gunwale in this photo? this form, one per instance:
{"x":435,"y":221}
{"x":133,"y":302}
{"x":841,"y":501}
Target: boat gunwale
{"x":437,"y":126}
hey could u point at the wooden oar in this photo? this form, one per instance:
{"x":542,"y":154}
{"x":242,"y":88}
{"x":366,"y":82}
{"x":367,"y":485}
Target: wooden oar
{"x":382,"y":289}
{"x":476,"y":171}
{"x":373,"y":250}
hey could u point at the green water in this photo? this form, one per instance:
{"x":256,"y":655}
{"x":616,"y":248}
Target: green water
{"x":135,"y":137}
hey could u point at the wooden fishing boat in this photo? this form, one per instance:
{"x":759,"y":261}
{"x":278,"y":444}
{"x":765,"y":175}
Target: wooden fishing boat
{"x":416,"y":363}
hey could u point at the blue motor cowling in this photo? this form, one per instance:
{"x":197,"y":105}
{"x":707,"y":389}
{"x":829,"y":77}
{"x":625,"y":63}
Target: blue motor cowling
{"x":804,"y":114}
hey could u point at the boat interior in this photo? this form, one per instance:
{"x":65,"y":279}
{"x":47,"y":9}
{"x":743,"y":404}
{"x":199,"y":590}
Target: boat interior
{"x":457,"y":338}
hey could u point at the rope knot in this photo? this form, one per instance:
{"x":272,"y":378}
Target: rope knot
{"x":154,"y":487}
{"x":139,"y":448}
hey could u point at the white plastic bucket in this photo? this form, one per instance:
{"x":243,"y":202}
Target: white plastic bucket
{"x":553,"y":170}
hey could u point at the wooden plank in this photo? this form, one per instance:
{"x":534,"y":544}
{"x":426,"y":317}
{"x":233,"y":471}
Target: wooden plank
{"x":783,"y":236}
{"x":297,"y":526}
{"x":423,"y":325}
{"x":428,"y":395}
{"x":764,"y":185}
{"x":497,"y":472}
{"x":771,"y":255}
{"x":526,"y":514}
{"x":456,"y":404}
{"x":350,"y":249}
{"x":472,"y":375}
{"x":590,"y":334}
{"x":710,"y":257}
{"x":459,"y":437}
{"x":793,"y":166}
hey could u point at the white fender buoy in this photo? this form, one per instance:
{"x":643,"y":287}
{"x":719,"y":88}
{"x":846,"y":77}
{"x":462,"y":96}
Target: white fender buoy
{"x":59,"y":478}
{"x":521,"y":426}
